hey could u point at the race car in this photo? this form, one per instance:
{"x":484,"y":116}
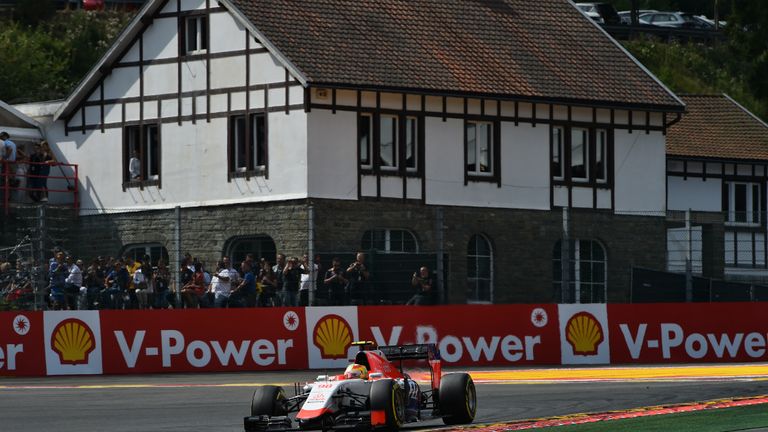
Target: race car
{"x":373,"y":393}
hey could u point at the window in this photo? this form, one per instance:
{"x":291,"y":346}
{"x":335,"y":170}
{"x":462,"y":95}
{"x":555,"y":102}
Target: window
{"x":388,"y":142}
{"x":141,"y":155}
{"x":196,"y":34}
{"x":248,"y":144}
{"x":579,"y":154}
{"x":742,"y":202}
{"x":390,"y":240}
{"x":479,"y":155}
{"x":587,"y":271}
{"x":557,"y":152}
{"x":601,"y":145}
{"x":156,"y":251}
{"x":365,"y":132}
{"x":479,"y":270}
{"x":260,"y":246}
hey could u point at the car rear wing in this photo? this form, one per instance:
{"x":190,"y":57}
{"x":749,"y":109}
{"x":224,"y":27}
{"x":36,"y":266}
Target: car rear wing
{"x":411,"y":352}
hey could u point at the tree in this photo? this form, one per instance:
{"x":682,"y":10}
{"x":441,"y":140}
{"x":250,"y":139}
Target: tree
{"x":748,"y":30}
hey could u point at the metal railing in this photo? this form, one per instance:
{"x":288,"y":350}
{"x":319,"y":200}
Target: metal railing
{"x":14,"y":179}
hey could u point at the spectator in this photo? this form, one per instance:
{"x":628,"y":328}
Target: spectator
{"x":268,"y":281}
{"x":117,"y":286}
{"x":94,"y":283}
{"x":72,"y":283}
{"x":9,"y":158}
{"x":278,"y":270}
{"x":149,"y":277}
{"x":134,"y":166}
{"x":321,"y":294}
{"x":245,"y":293}
{"x":162,"y":278}
{"x":141,"y":286}
{"x":336,"y":283}
{"x":39,"y":169}
{"x":291,"y":280}
{"x":58,"y":273}
{"x":221,"y":286}
{"x":131,"y":266}
{"x":234,"y":276}
{"x":423,"y":283}
{"x":358,"y":276}
{"x":193,"y":293}
{"x":308,"y":278}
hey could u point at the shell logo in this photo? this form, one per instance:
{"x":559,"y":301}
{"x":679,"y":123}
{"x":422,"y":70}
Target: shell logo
{"x":333,"y":335}
{"x":73,"y":341}
{"x":584,"y":333}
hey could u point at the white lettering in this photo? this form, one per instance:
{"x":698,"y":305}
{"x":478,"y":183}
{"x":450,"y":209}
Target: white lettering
{"x":483,"y":347}
{"x":394,"y":337}
{"x":754,"y":345}
{"x":130,"y":355}
{"x":725,"y":343}
{"x":530,"y":342}
{"x":455,"y":343}
{"x":671,"y":336}
{"x":230,"y":352}
{"x":690,"y":343}
{"x":634,"y":344}
{"x":282,"y":347}
{"x":2,"y":356}
{"x":12,"y":350}
{"x":205,"y":354}
{"x":168,"y":349}
{"x":426,"y":335}
{"x":509,"y":345}
{"x":261,"y":348}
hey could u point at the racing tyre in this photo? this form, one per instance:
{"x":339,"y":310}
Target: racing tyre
{"x":387,"y":405}
{"x":458,"y":399}
{"x":268,"y":400}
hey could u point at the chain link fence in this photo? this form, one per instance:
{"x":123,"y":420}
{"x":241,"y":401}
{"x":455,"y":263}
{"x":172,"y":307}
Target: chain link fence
{"x":410,"y":253}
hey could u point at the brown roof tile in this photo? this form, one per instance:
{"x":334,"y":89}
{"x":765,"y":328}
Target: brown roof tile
{"x":717,"y":127}
{"x":524,"y":48}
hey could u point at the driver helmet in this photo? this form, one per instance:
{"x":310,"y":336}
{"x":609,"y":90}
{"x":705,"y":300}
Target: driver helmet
{"x":356,"y":371}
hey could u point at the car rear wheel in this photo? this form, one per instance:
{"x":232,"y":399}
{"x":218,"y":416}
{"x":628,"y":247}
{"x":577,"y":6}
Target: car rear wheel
{"x":387,"y":405}
{"x":268,"y":400}
{"x":458,"y":399}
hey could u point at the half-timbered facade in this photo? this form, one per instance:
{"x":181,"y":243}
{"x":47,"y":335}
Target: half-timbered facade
{"x":717,"y":163}
{"x":525,"y":107}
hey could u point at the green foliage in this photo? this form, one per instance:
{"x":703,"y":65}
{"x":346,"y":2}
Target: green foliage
{"x":694,"y":68}
{"x":33,"y":12}
{"x":46,"y":61}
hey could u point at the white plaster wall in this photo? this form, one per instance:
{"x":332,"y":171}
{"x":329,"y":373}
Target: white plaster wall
{"x":230,"y":35}
{"x":525,"y":165}
{"x":640,"y":172}
{"x":160,"y":39}
{"x":332,"y":150}
{"x":160,"y":79}
{"x":694,"y":194}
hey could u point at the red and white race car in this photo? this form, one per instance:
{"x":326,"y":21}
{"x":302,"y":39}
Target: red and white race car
{"x":372,"y":393}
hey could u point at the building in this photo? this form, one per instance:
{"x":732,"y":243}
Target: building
{"x":452,"y":132}
{"x":717,"y":157}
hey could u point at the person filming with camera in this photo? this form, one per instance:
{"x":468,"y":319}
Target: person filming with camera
{"x":423,"y":283}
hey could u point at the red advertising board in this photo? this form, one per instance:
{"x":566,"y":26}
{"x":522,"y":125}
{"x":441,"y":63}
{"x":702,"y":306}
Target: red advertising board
{"x":469,"y":334}
{"x":21,"y":352}
{"x":692,"y":332}
{"x":203,"y":340}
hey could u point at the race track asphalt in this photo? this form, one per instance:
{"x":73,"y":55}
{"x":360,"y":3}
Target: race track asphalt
{"x":218,"y":402}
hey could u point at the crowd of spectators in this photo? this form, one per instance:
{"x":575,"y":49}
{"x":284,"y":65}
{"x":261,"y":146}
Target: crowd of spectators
{"x":127,"y":283}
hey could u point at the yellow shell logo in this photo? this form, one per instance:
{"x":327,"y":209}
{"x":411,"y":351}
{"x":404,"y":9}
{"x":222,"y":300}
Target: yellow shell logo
{"x":585,"y":334}
{"x":73,"y":341}
{"x":333,"y":336}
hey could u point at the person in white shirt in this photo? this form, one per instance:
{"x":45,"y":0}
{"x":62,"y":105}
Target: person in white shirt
{"x":142,"y":287}
{"x":221,"y":286}
{"x":308,"y":280}
{"x":72,"y":283}
{"x":134,"y":166}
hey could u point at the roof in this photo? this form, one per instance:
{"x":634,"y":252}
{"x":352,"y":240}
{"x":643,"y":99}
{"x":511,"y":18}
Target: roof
{"x":545,"y":49}
{"x":716,"y":126}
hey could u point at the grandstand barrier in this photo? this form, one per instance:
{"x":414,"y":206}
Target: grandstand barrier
{"x":217,"y":340}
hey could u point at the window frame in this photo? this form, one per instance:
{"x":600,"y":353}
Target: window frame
{"x":232,"y":243}
{"x":753,"y":210}
{"x":494,"y":147}
{"x":147,"y":247}
{"x":403,"y":125}
{"x":598,"y":175}
{"x":256,"y":145}
{"x":388,"y":240}
{"x":146,"y":148}
{"x":202,"y":33}
{"x":575,"y":266}
{"x":476,"y":280}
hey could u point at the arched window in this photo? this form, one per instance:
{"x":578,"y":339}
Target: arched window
{"x":390,"y":240}
{"x":138,"y":251}
{"x":260,"y":246}
{"x":587,"y":271}
{"x":479,"y":270}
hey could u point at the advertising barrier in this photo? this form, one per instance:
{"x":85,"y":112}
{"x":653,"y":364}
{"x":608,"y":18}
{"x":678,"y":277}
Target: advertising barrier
{"x":216,"y":340}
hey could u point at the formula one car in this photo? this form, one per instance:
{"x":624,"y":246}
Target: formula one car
{"x":373,"y":393}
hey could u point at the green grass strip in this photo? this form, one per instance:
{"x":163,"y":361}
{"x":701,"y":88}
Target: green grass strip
{"x":716,"y":420}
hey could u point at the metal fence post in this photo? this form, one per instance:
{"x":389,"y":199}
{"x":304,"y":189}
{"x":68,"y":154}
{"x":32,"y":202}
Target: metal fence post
{"x":311,"y":254}
{"x":565,"y":260}
{"x":37,"y":279}
{"x":177,"y":253}
{"x":440,"y":243}
{"x":688,"y":263}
